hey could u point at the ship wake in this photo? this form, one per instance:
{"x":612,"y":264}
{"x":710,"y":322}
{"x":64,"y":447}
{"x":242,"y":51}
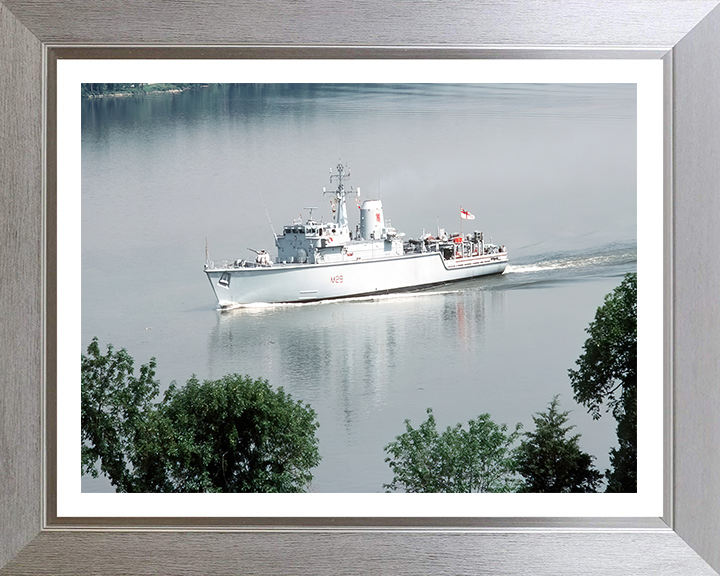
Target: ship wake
{"x":602,"y":257}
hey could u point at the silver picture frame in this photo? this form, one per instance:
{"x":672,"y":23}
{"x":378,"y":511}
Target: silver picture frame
{"x":684,"y":34}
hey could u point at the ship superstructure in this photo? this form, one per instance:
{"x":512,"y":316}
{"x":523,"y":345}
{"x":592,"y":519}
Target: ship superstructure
{"x":317,"y":260}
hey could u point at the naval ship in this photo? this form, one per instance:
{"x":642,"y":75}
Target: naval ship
{"x":319,"y":261}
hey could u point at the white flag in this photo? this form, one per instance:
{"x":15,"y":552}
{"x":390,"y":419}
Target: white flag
{"x":465,"y":214}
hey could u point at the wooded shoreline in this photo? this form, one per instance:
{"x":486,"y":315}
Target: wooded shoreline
{"x":119,"y":90}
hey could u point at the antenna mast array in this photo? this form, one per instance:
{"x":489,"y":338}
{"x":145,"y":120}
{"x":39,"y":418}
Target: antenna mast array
{"x":341,"y":187}
{"x":341,"y":214}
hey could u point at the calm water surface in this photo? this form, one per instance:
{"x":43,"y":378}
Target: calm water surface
{"x":549,"y":171}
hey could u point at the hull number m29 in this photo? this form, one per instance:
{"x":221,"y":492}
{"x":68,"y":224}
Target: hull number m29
{"x":336,"y":279}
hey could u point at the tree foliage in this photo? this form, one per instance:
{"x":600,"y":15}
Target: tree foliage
{"x":237,"y":435}
{"x":234,"y":434}
{"x":115,"y":406}
{"x":550,"y":461}
{"x":478,"y":459}
{"x":606,"y":377}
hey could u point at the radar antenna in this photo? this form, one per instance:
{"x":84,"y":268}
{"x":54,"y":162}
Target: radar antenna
{"x":311,"y":208}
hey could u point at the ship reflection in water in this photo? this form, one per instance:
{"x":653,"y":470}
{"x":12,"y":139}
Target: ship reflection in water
{"x":363,"y":364}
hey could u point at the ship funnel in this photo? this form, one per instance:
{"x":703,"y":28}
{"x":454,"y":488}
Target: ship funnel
{"x":371,"y":219}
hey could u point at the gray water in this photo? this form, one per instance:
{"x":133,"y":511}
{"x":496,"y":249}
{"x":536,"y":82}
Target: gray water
{"x":548,"y":170}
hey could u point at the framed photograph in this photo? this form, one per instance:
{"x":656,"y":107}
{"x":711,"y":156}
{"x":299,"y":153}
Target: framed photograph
{"x":655,"y":91}
{"x":349,"y":347}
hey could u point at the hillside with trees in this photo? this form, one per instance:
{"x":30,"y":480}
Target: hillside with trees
{"x":118,"y":89}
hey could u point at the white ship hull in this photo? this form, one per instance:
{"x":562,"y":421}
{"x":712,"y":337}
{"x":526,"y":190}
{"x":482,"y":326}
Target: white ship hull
{"x":310,"y":282}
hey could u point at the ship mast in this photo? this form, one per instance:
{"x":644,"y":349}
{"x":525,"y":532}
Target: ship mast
{"x":341,"y":213}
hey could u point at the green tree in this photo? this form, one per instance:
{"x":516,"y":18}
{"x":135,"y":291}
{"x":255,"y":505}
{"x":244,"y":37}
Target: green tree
{"x":549,"y":461}
{"x":607,"y":377}
{"x":115,"y":405}
{"x":478,"y":459}
{"x":234,"y":434}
